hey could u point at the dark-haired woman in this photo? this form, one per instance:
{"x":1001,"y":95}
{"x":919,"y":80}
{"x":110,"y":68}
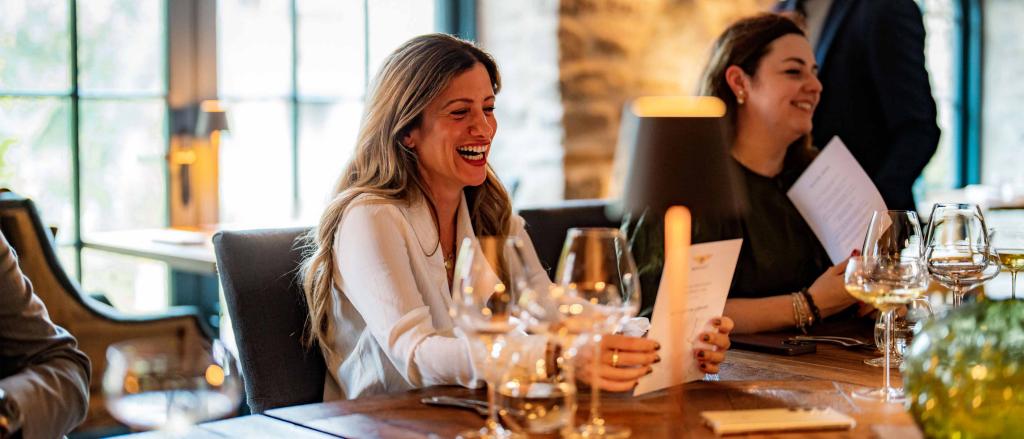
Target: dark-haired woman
{"x":764,"y":70}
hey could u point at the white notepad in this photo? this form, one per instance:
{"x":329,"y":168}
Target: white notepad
{"x":773,"y":420}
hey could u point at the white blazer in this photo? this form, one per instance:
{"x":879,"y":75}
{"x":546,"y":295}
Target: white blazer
{"x":390,"y":329}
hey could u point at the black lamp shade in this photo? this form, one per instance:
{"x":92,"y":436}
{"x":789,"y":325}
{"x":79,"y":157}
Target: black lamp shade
{"x":680,"y":157}
{"x":210,"y":121}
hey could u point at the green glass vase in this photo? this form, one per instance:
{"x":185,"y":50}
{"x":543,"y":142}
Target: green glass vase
{"x":964,"y":374}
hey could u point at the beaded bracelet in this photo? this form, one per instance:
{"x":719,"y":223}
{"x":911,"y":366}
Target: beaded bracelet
{"x":810,"y":304}
{"x":799,"y":317}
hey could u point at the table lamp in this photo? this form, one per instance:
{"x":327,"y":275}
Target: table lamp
{"x":678,"y":162}
{"x":212,"y":119}
{"x":211,"y":123}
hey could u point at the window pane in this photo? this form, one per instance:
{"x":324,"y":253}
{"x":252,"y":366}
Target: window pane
{"x":254,"y":48}
{"x":66,"y":254}
{"x":327,"y":135}
{"x":940,"y":59}
{"x":256,"y":163}
{"x":133,"y":285}
{"x":331,"y":48}
{"x":1002,"y":130}
{"x":35,"y":157}
{"x":34,"y":46}
{"x":393,"y":22}
{"x":121,"y":46}
{"x":123,"y":168}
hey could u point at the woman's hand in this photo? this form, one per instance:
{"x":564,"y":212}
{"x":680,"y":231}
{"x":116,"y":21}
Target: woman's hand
{"x":709,"y":359}
{"x":624,"y":360}
{"x":829,"y":290}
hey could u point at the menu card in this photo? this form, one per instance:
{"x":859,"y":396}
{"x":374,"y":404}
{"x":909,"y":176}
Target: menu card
{"x":836,"y":198}
{"x":711,"y":268}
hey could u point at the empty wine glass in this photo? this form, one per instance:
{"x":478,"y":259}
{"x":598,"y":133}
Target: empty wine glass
{"x":598,"y":291}
{"x":957,"y":252}
{"x":892,"y":234}
{"x":170,"y":384}
{"x":537,"y":396}
{"x":482,"y":307}
{"x":886,"y":283}
{"x":907,"y":321}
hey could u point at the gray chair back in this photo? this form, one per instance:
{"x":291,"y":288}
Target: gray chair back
{"x":259,"y":273}
{"x":548,"y":225}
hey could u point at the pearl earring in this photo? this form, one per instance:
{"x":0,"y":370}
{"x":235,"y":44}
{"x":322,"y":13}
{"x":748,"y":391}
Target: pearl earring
{"x":740,"y":98}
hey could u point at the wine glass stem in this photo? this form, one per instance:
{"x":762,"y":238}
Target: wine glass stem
{"x":595,"y":385}
{"x":492,"y":408}
{"x":958,"y":294}
{"x":1013,"y":285}
{"x":887,"y":389}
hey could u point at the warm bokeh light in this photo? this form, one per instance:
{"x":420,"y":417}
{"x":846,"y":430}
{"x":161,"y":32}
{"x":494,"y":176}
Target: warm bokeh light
{"x":678,"y":106}
{"x":214,"y":375}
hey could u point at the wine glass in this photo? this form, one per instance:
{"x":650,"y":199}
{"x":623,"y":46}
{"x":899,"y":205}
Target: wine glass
{"x":482,"y":307}
{"x":1009,"y":246}
{"x":537,"y":396}
{"x":886,"y":282}
{"x":892,"y":234}
{"x":957,"y":251}
{"x":170,"y":384}
{"x":598,"y":291}
{"x":537,"y":393}
{"x":905,"y":324}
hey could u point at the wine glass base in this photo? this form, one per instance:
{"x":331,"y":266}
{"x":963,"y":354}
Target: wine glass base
{"x":602,"y":431}
{"x":893,"y":395}
{"x":485,"y":433}
{"x":894,"y":362}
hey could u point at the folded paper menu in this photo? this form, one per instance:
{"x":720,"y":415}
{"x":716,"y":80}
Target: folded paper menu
{"x":836,"y":198}
{"x":711,"y":268}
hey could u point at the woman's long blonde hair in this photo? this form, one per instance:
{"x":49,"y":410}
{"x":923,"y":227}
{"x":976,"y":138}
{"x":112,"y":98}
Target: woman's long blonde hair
{"x":411,"y":77}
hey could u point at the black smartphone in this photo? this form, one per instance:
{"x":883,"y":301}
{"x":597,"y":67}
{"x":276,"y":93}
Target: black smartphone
{"x":778,"y":344}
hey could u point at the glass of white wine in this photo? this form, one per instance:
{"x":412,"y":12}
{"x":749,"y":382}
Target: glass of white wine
{"x":957,"y":253}
{"x":482,"y":306}
{"x":1009,"y":245}
{"x":170,"y":384}
{"x":597,"y":292}
{"x":886,"y":283}
{"x":892,"y":234}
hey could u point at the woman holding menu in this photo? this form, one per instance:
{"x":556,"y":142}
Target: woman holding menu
{"x":764,"y":70}
{"x":379,"y":265}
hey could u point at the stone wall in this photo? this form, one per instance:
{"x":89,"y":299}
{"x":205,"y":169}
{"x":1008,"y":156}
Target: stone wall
{"x":614,"y":50}
{"x":569,"y":65}
{"x":527,"y":152}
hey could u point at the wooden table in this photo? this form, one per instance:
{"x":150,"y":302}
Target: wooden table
{"x":748,"y":380}
{"x":253,"y":426}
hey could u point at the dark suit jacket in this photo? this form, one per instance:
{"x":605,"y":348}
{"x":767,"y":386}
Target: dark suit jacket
{"x":40,"y":366}
{"x":876,"y":94}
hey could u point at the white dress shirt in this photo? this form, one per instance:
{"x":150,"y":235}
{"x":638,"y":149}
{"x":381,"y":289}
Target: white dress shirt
{"x":390,"y":329}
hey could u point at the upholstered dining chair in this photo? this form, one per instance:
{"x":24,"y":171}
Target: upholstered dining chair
{"x":95,"y":324}
{"x":548,"y":225}
{"x":259,"y":274}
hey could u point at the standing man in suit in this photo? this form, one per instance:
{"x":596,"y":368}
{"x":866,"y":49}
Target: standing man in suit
{"x":876,"y":96}
{"x":44,"y":378}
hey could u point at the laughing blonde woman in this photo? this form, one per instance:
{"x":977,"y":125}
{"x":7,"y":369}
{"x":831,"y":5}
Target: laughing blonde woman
{"x":380,"y":265}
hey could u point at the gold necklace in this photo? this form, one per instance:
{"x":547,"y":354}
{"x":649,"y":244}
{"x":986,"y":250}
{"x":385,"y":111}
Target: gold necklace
{"x":449,"y":261}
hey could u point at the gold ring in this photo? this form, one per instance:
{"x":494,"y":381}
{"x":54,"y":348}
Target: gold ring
{"x":615,"y":358}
